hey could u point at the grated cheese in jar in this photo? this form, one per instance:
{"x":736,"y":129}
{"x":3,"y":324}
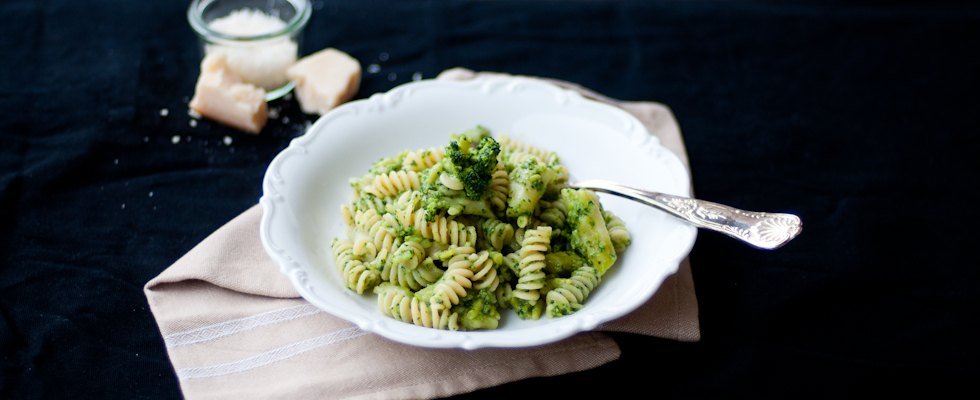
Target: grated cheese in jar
{"x":260,"y":62}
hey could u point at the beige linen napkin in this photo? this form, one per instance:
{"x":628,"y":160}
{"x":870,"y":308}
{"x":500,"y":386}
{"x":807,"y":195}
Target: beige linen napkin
{"x":235,"y":327}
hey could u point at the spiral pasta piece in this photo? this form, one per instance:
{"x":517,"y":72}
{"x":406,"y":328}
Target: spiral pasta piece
{"x":568,"y":294}
{"x":384,"y":234}
{"x":558,"y":179}
{"x":357,"y":275}
{"x":618,"y":234}
{"x":364,"y":248}
{"x":509,"y":267}
{"x":452,"y":285}
{"x":520,"y":232}
{"x":384,"y":257}
{"x":347,"y":214}
{"x":504,"y":293}
{"x":445,"y":230}
{"x":515,"y":244}
{"x":406,"y":206}
{"x":380,"y":229}
{"x":369,"y":202}
{"x":484,"y":271}
{"x":453,"y":251}
{"x":409,"y":266}
{"x":499,"y":188}
{"x":530,"y":277}
{"x":554,"y":213}
{"x":421,"y":160}
{"x":410,"y":253}
{"x":365,"y":220}
{"x":399,"y":303}
{"x":408,"y":213}
{"x":417,"y":278}
{"x":497,"y":233}
{"x":343,"y":251}
{"x":393,"y":183}
{"x":506,"y":142}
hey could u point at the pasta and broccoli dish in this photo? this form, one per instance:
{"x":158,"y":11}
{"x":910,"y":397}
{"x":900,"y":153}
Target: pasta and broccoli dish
{"x":449,"y":237}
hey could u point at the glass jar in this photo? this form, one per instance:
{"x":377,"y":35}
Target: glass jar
{"x":259,"y":38}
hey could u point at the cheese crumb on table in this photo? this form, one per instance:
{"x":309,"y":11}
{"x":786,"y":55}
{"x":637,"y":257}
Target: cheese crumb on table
{"x":221,"y":95}
{"x":325,"y":79}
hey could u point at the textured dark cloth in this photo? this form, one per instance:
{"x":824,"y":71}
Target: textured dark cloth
{"x":860,"y":118}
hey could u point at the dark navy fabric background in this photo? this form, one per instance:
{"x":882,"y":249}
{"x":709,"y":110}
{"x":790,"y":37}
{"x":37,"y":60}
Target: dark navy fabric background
{"x":861,"y":118}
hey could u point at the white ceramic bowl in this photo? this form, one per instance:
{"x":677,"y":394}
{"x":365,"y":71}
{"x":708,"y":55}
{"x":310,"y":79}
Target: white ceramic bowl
{"x":307,"y":182}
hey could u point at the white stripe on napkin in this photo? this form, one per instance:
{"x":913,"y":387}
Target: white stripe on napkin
{"x":220,"y":330}
{"x":271,"y":356}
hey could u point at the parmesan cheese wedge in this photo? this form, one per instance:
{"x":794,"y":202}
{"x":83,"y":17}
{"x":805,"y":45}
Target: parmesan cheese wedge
{"x":221,"y":95}
{"x":324,"y":80}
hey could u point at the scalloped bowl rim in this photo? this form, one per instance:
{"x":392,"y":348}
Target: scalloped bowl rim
{"x":281,"y":244}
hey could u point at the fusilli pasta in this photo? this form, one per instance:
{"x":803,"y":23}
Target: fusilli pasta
{"x":358,"y":276}
{"x":445,"y":237}
{"x":568,"y":294}
{"x":393,"y":183}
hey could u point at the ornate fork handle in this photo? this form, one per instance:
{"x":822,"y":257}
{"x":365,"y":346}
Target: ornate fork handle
{"x":760,"y":229}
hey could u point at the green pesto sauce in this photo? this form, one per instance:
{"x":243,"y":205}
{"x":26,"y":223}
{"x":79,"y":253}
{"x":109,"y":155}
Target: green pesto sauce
{"x":560,"y":309}
{"x":478,"y":310}
{"x":526,"y":309}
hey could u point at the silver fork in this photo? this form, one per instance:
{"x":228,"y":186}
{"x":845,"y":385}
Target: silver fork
{"x":760,"y":229}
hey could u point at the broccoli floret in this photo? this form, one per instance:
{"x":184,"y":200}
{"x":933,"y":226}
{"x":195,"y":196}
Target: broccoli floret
{"x":478,"y":310}
{"x":438,"y":199}
{"x":466,"y":139}
{"x":528,"y":181}
{"x":472,"y":166}
{"x":562,"y":263}
{"x":589,"y":236}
